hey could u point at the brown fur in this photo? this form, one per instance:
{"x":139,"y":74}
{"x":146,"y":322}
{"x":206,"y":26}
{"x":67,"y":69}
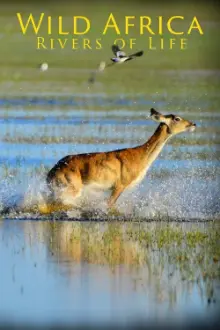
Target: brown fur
{"x":115,"y":170}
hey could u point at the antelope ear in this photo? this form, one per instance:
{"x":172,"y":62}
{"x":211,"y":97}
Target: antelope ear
{"x":154,"y":112}
{"x":158,"y":117}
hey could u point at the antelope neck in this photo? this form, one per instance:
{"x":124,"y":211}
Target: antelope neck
{"x":155,"y":144}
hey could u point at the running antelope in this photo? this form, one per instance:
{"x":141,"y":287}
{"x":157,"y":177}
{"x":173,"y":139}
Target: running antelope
{"x":114,"y":170}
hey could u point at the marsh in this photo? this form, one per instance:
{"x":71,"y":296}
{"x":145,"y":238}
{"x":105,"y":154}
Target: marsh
{"x":159,"y":257}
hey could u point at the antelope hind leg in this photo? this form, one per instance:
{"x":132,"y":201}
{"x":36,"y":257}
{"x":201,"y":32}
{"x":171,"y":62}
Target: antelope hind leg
{"x":64,"y":199}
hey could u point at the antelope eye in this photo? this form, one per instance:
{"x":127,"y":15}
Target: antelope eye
{"x":177,"y":119}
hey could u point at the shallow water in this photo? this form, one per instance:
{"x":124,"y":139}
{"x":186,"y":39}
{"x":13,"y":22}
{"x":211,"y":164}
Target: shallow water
{"x":79,"y":273}
{"x":183,"y":182}
{"x":95,"y":271}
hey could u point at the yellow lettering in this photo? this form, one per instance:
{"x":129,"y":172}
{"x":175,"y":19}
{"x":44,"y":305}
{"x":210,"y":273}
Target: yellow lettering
{"x":60,"y":24}
{"x":30,"y":20}
{"x":75,"y":24}
{"x":111,"y":23}
{"x":62,"y":42}
{"x":127,"y":24}
{"x":74,"y":43}
{"x":151,"y":44}
{"x":132,"y":42}
{"x":160,"y":29}
{"x":147,"y":25}
{"x":98,"y":44}
{"x":195,"y":25}
{"x":120,"y":43}
{"x":86,"y":43}
{"x":51,"y":43}
{"x":49,"y":24}
{"x":172,"y":42}
{"x":40,"y":43}
{"x":169,"y":24}
{"x":183,"y":43}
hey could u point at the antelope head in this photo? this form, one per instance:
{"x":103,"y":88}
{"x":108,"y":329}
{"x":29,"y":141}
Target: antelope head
{"x":174,"y":123}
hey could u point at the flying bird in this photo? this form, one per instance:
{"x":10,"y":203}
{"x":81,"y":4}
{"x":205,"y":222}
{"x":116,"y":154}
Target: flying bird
{"x":119,"y":57}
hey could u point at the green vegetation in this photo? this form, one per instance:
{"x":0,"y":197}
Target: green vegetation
{"x":192,"y":249}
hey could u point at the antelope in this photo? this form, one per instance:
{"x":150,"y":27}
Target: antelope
{"x":113,"y":171}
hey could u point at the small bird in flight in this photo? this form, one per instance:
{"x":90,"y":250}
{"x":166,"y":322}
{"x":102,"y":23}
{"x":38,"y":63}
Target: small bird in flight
{"x":120,"y":57}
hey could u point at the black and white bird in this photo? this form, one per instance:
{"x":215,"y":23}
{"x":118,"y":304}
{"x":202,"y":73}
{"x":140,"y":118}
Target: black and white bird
{"x":120,"y":57}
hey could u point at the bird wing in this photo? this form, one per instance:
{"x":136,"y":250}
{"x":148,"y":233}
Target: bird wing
{"x":115,"y":49}
{"x":138,"y":54}
{"x":121,"y":54}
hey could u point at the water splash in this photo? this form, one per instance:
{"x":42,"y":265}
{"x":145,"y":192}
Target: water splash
{"x":179,"y":196}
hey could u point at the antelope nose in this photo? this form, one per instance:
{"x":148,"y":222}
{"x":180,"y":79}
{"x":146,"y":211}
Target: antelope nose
{"x":192,"y":124}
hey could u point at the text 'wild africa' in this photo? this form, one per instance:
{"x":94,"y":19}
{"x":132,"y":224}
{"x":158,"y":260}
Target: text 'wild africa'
{"x":44,"y":27}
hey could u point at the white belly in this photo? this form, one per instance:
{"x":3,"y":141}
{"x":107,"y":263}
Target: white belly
{"x":99,"y":186}
{"x":138,"y":179}
{"x":122,"y":60}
